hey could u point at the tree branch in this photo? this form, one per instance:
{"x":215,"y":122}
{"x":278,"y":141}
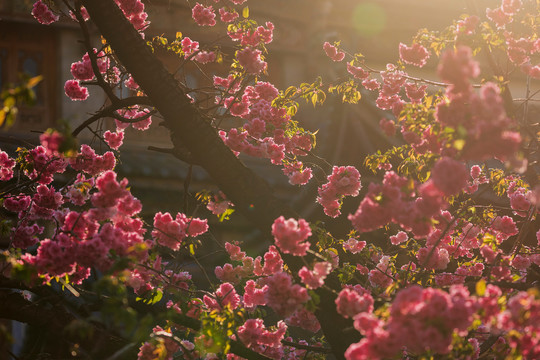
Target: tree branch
{"x":251,"y":194}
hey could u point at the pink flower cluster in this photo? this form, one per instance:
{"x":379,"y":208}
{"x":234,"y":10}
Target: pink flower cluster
{"x":264,"y":133}
{"x":332,"y":52}
{"x":420,"y":320}
{"x":225,"y":296}
{"x":315,"y":278}
{"x":297,"y":174}
{"x":251,"y":60}
{"x":134,"y":11}
{"x":88,"y":161}
{"x":82,"y":70}
{"x":344,"y":181}
{"x":43,"y":165}
{"x":6,"y":166}
{"x":253,"y":333}
{"x":114,"y":139}
{"x":416,"y":55}
{"x":502,"y":15}
{"x":203,"y":16}
{"x":172,"y":232}
{"x":483,"y":115}
{"x":352,"y":301}
{"x":449,"y":176}
{"x":290,"y":235}
{"x":253,"y":37}
{"x":82,"y":239}
{"x":304,"y":319}
{"x":282,"y":296}
{"x":43,"y":14}
{"x":219,"y":204}
{"x":354,"y":246}
{"x":391,"y":201}
{"x":75,"y":91}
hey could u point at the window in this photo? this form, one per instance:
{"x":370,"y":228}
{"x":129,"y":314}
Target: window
{"x":30,"y":50}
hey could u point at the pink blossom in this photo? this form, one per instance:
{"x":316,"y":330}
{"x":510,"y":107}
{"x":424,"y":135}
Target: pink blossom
{"x":6,"y":166}
{"x":344,"y":181}
{"x":332,"y":52}
{"x":225,"y":296}
{"x":381,"y":275}
{"x":204,"y":16}
{"x":505,"y":227}
{"x":357,"y":71}
{"x":234,"y":251}
{"x":352,"y":301}
{"x":254,"y":296}
{"x":253,"y":332}
{"x":17,"y":203}
{"x":433,"y":258}
{"x":304,"y":319}
{"x":510,"y":7}
{"x":229,"y":273}
{"x":290,"y":235}
{"x":315,"y":278}
{"x":259,"y":35}
{"x":172,"y":232}
{"x":134,"y":12}
{"x":52,"y":141}
{"x":205,"y":57}
{"x":371,"y":84}
{"x":75,"y":91}
{"x":414,"y":92}
{"x":43,"y":14}
{"x":416,"y":55}
{"x":24,"y":236}
{"x":297,"y":175}
{"x":88,"y":161}
{"x":272,"y":262}
{"x":227,"y":16}
{"x":521,"y":262}
{"x":388,"y":126}
{"x":82,"y":70}
{"x":110,"y":190}
{"x":43,"y":165}
{"x":114,"y":139}
{"x":189,"y":46}
{"x":354,"y":246}
{"x":399,"y":238}
{"x":498,"y":16}
{"x":282,"y":296}
{"x":251,"y":61}
{"x":468,"y":25}
{"x":458,"y":67}
{"x":449,"y":176}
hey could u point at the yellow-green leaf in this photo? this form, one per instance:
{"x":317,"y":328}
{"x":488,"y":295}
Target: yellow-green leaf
{"x":481,"y":287}
{"x":34,"y":81}
{"x":459,"y":144}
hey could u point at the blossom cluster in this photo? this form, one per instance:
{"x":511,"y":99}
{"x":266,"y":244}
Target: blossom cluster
{"x":428,"y":237}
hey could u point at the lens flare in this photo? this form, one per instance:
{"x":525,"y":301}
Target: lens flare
{"x":369,"y":19}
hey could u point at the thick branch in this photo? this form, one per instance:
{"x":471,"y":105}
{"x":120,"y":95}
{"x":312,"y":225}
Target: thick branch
{"x":251,"y":195}
{"x":55,"y":320}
